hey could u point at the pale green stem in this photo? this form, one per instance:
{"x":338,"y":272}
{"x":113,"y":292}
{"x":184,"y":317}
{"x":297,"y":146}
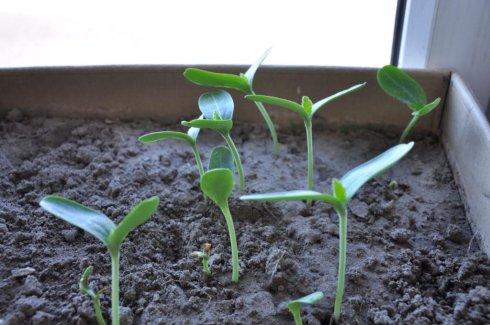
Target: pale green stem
{"x":309,"y":147}
{"x":270,"y":125}
{"x":297,"y":316}
{"x":197,"y":157}
{"x":236,"y":157}
{"x":234,"y":247}
{"x":409,"y":128}
{"x":342,"y":258}
{"x":115,"y":288}
{"x":98,"y":309}
{"x":205,"y":265}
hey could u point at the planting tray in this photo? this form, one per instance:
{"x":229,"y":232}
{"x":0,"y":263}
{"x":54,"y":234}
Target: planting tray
{"x":160,"y":93}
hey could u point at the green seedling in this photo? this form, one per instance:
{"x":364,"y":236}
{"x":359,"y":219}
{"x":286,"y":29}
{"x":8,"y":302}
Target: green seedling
{"x":100,"y":226}
{"x":401,"y":86}
{"x":294,"y":306}
{"x":342,"y":192}
{"x":242,"y":82}
{"x":306,"y":110}
{"x":217,"y":111}
{"x":190,"y":137}
{"x":95,"y":296}
{"x":217,"y":184}
{"x":204,"y":256}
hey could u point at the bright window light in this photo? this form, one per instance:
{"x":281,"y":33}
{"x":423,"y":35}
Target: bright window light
{"x":333,"y":33}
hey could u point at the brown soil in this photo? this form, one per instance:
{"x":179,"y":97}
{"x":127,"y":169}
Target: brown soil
{"x":409,"y":254}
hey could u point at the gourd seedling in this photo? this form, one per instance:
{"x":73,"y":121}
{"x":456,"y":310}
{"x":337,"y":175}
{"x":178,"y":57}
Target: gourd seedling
{"x":343,"y":191}
{"x":204,"y":256}
{"x":217,"y":184}
{"x":190,"y":137}
{"x":306,"y":110}
{"x":100,"y":226}
{"x":294,"y":306}
{"x":401,"y":86}
{"x":242,"y":82}
{"x":94,"y":295}
{"x":217,"y":111}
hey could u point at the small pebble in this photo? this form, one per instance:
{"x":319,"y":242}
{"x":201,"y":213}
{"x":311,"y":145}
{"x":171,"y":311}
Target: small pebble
{"x":22,"y":272}
{"x":454,"y":234}
{"x":400,"y":235}
{"x":70,"y":235}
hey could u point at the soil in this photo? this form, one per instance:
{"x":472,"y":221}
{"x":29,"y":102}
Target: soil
{"x":411,"y":254}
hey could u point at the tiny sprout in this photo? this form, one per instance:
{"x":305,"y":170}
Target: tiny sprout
{"x":401,"y":86}
{"x":343,"y":191}
{"x":217,"y":109}
{"x":190,"y":137}
{"x":100,"y":226}
{"x":294,"y":306}
{"x":393,"y":185}
{"x":204,"y":256}
{"x":241,"y":82}
{"x":305,"y":110}
{"x":217,"y":184}
{"x":95,"y":296}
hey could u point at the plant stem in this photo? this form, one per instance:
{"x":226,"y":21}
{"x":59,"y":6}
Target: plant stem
{"x":297,"y":317}
{"x":197,"y":157}
{"x":342,"y":257}
{"x":409,"y":128}
{"x":236,"y":157}
{"x":115,"y":288}
{"x":234,"y":247}
{"x":205,"y":265}
{"x":309,"y":146}
{"x":270,"y":125}
{"x":98,"y":310}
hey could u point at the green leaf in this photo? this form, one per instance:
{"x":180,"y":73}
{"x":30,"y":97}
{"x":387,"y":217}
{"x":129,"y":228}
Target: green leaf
{"x":339,"y":190}
{"x":83,"y":283}
{"x":137,"y":216}
{"x":166,"y":135}
{"x":251,"y":71}
{"x":319,"y":104}
{"x":307,"y":104}
{"x":285,"y":103}
{"x":222,"y":126}
{"x":216,"y":79}
{"x":309,"y":299}
{"x":221,"y":157}
{"x":217,"y":184}
{"x":426,"y":109}
{"x":219,"y":102}
{"x":299,"y":195}
{"x":358,"y":176}
{"x":400,"y":85}
{"x":92,"y":221}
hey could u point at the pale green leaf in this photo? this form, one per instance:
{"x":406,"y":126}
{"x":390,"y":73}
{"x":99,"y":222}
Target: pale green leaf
{"x":285,"y":103}
{"x":307,"y":104}
{"x":309,"y":299}
{"x":339,"y":190}
{"x":92,"y":221}
{"x":400,"y":85}
{"x":222,"y":126}
{"x":166,"y":135}
{"x":221,"y":157}
{"x":253,"y":69}
{"x":219,"y":102}
{"x":426,"y":109}
{"x":319,"y":104}
{"x":298,"y":195}
{"x":216,"y":79}
{"x":217,"y":184}
{"x":357,"y":177}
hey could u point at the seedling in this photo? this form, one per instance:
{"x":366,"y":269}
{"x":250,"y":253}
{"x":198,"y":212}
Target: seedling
{"x":95,"y":296}
{"x":190,"y":137}
{"x":204,"y":256}
{"x":217,"y":111}
{"x":400,"y":85}
{"x":342,"y":192}
{"x":294,"y":306}
{"x":217,"y":184}
{"x":100,"y":226}
{"x":242,"y":82}
{"x":306,"y":110}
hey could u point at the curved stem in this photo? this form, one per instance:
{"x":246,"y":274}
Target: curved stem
{"x":98,"y":310}
{"x":236,"y":157}
{"x":234,"y":247}
{"x":409,"y":128}
{"x":339,"y":295}
{"x":115,"y":288}
{"x":197,"y":157}
{"x":270,"y":125}
{"x":309,"y":146}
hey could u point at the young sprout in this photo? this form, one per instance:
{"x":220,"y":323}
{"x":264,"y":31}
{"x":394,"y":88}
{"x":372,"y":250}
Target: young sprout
{"x":204,"y":256}
{"x":401,"y":86}
{"x":217,"y":111}
{"x":217,"y":184}
{"x":190,"y":137}
{"x":95,"y":296}
{"x":242,"y":82}
{"x":294,"y":306}
{"x":100,"y":226}
{"x":342,"y":192}
{"x":305,"y":110}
